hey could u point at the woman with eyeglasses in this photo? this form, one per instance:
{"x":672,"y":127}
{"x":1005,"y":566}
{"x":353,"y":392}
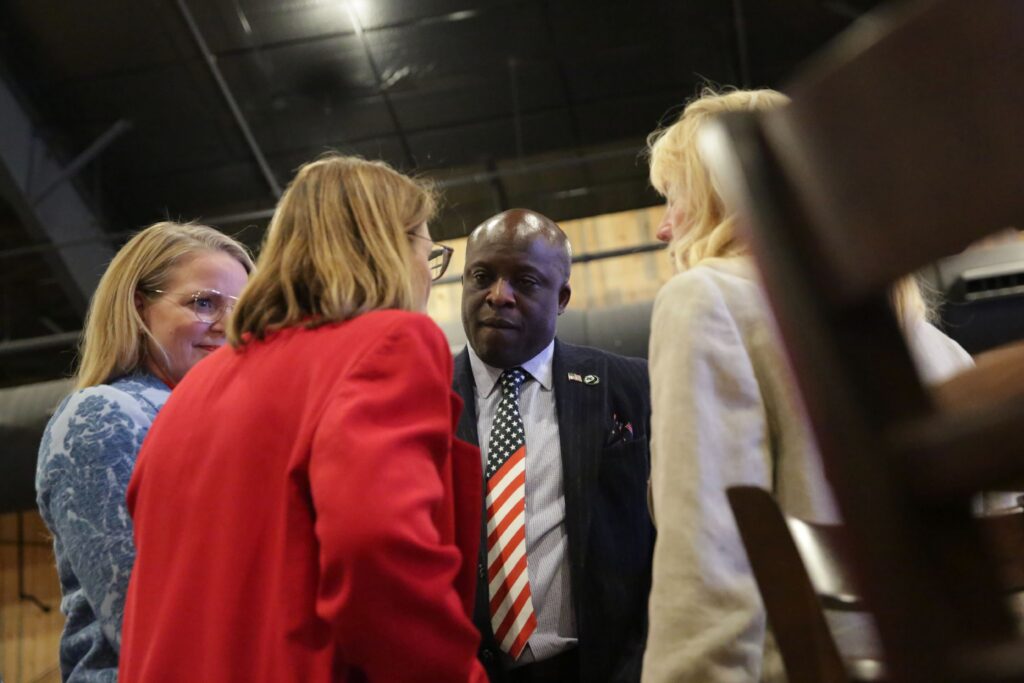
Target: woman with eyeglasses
{"x":324,"y":520}
{"x":159,"y":309}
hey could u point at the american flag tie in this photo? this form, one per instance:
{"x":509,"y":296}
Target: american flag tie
{"x":512,"y":616}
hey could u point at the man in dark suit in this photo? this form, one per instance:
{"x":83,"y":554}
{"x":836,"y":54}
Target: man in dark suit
{"x":565,"y":559}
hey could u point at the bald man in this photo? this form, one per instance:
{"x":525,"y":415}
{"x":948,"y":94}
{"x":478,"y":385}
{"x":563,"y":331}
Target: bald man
{"x":565,"y":556}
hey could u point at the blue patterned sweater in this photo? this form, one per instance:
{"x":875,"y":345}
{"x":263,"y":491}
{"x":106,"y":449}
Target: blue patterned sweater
{"x":85,"y":461}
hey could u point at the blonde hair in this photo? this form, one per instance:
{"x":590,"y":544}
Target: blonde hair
{"x":336,"y":247}
{"x":678,"y":173}
{"x":114,"y":338}
{"x":909,"y":302}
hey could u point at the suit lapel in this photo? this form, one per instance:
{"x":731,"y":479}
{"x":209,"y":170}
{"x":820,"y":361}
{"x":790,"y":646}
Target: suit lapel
{"x":581,"y":421}
{"x":465,"y":387}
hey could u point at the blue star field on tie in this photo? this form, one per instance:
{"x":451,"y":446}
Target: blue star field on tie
{"x":511,"y":604}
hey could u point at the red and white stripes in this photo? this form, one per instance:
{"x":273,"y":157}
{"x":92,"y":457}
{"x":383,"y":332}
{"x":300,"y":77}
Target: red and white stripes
{"x":512,"y":616}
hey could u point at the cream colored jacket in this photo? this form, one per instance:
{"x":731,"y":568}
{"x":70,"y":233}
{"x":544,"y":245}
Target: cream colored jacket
{"x":725,"y":412}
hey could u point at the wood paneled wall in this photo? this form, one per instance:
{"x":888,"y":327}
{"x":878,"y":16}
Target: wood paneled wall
{"x":595,"y":284}
{"x":30,"y":637}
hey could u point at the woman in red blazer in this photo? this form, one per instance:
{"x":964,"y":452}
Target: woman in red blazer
{"x":302,"y":509}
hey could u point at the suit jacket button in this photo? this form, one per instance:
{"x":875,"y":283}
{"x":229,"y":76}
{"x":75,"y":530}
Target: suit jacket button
{"x":482,"y":571}
{"x":487,"y":656}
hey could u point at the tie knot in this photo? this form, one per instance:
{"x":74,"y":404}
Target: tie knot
{"x":511,"y":380}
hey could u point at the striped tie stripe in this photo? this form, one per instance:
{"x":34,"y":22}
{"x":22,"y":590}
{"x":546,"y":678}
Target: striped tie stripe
{"x":511,"y":605}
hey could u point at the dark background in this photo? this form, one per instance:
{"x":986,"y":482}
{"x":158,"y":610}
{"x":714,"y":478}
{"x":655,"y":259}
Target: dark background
{"x":114,"y":119}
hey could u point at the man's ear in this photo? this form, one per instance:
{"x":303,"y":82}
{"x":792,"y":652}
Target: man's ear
{"x":564,"y":294}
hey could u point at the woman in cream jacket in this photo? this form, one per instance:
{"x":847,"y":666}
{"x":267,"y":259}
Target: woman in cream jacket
{"x":725,"y":412}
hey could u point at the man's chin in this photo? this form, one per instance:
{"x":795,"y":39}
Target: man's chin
{"x":495,"y":349}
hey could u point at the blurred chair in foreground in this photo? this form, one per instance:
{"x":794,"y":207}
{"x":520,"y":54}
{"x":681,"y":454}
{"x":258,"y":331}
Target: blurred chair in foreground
{"x":902,"y":145}
{"x":803,"y":568}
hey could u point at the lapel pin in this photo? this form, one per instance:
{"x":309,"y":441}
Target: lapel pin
{"x":575,"y":377}
{"x":591,"y":379}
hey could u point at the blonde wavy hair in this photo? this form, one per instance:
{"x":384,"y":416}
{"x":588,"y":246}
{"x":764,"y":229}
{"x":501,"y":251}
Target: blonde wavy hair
{"x":336,"y":247}
{"x":114,"y":337}
{"x":678,"y":174}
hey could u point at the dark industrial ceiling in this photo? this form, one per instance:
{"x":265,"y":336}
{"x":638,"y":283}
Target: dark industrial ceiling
{"x":118,"y":114}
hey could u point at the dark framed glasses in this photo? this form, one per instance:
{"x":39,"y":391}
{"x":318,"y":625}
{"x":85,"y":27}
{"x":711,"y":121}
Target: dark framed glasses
{"x":438,"y":259}
{"x":207,"y":305}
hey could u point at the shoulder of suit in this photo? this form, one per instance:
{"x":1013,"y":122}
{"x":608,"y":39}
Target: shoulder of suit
{"x":374,"y":336}
{"x":462,"y":357}
{"x":391,"y":317}
{"x":715,"y":290}
{"x":388,"y":322}
{"x":594,"y":351}
{"x":613,"y":360}
{"x":717,"y":274}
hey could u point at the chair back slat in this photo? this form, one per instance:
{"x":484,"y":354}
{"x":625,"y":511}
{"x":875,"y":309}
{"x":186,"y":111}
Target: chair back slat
{"x":790,"y":599}
{"x":824,"y":550}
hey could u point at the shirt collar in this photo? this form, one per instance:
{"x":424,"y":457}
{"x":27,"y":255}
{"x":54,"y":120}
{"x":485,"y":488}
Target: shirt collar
{"x":486,"y":377}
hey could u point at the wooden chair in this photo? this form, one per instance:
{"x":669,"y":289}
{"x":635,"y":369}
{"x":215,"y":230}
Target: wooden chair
{"x":903,"y":144}
{"x":803,"y":568}
{"x":796,"y":583}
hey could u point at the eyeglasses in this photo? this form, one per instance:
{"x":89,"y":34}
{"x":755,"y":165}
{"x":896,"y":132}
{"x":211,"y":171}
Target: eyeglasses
{"x":438,"y":259}
{"x":207,"y":305}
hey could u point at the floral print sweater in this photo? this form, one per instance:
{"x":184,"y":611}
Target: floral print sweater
{"x":86,"y":458}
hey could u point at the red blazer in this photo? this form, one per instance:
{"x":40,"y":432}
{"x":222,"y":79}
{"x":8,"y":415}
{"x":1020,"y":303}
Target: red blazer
{"x":303,"y":512}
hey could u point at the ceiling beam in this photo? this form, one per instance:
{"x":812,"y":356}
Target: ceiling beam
{"x":229,"y":98}
{"x":403,"y":140}
{"x":59,"y":214}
